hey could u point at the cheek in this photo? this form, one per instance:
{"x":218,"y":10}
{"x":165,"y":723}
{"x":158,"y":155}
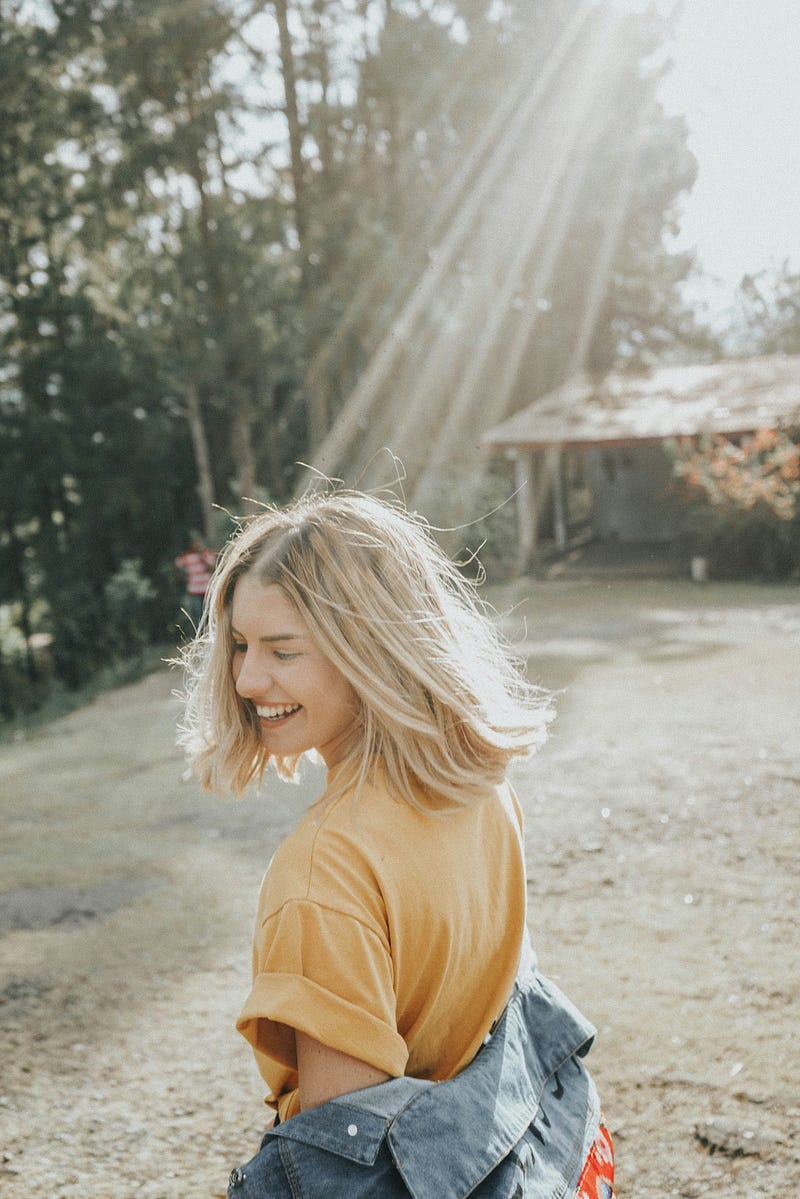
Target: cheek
{"x":346,"y":697}
{"x":335,"y":689}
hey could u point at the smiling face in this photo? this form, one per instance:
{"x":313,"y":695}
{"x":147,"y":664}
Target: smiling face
{"x":302,"y":700}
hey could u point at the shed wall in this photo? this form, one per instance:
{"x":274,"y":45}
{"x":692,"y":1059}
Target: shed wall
{"x":631,"y":486}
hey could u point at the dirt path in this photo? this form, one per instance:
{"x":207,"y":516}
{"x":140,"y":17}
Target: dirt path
{"x":663,"y":841}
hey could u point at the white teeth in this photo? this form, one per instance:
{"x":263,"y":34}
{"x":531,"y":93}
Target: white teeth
{"x":277,"y":711}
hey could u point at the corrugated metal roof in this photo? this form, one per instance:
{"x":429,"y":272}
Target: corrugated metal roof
{"x":732,"y":396}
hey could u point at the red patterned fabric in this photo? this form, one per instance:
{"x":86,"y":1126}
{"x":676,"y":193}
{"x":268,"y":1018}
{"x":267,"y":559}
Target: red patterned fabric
{"x":597,"y":1179}
{"x":198,"y":565}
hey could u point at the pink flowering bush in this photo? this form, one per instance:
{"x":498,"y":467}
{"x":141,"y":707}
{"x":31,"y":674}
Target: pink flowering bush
{"x":742,"y":502}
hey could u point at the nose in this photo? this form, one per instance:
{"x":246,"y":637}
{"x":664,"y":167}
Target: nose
{"x":252,"y":678}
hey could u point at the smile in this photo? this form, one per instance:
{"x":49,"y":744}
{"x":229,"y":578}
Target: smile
{"x":278,"y":712}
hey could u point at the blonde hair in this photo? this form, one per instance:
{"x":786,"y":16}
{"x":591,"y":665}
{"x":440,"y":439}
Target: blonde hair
{"x":443,"y":704}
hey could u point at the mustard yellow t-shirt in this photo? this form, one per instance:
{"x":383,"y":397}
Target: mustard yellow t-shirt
{"x":387,"y":933}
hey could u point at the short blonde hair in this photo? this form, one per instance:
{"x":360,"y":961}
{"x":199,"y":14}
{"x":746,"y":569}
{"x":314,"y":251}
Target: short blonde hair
{"x":444,"y":704}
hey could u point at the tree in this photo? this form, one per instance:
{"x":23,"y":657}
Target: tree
{"x":531,"y":252}
{"x":767,"y":313}
{"x":80,"y":484}
{"x":239,"y":235}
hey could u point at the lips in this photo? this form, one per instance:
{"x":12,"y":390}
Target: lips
{"x":276,"y":712}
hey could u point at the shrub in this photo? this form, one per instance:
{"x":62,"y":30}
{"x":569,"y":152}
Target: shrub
{"x":473,"y":514}
{"x":742,"y":504}
{"x":130,"y":598}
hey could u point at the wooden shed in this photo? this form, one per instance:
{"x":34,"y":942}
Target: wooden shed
{"x":614,"y":428}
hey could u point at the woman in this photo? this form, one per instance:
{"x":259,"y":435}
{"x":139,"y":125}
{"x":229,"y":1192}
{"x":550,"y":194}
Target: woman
{"x":409,"y":1045}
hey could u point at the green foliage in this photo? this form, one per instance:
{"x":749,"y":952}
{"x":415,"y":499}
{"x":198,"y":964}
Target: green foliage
{"x":184,"y":309}
{"x":743,"y":504}
{"x":76,"y":624}
{"x":129,"y":598}
{"x":744,"y":544}
{"x":638,"y":166}
{"x":767,"y":315}
{"x":474,"y":516}
{"x":493,"y":535}
{"x":23,"y":680}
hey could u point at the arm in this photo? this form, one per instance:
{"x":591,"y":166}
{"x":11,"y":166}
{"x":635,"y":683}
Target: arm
{"x":325,"y":1073}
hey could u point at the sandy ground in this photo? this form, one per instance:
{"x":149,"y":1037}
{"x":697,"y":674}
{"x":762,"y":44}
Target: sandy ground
{"x":663,"y":847}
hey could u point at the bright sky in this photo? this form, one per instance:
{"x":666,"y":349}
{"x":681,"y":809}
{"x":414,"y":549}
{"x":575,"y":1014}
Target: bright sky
{"x":737,"y":77}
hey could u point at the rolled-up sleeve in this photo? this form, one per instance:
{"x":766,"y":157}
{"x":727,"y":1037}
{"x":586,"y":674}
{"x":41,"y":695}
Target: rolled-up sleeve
{"x":330,"y":975}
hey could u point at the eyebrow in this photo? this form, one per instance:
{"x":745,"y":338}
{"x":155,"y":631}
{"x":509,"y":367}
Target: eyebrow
{"x":273,"y":637}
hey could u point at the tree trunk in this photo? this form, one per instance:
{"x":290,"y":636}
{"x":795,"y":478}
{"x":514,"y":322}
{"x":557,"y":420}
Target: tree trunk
{"x":317,"y":416}
{"x":295,"y":131}
{"x":317,"y":36}
{"x":242,"y":439}
{"x":394,"y":174}
{"x":202,"y":457}
{"x":269,"y":444}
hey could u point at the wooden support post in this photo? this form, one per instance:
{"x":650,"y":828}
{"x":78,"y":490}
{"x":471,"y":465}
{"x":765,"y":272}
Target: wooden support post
{"x":527,"y":508}
{"x":556,"y":456}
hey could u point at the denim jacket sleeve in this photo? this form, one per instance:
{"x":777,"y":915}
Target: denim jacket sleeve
{"x":515,"y":1124}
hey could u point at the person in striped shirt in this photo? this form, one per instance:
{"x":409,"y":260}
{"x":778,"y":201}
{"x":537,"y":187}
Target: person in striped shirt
{"x":197,"y":565}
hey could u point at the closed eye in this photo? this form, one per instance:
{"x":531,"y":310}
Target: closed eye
{"x":284,"y":656}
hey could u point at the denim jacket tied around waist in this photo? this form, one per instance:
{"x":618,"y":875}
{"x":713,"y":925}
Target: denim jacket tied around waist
{"x":517,"y":1123}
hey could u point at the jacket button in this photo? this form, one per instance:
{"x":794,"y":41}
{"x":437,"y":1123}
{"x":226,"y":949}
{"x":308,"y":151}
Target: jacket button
{"x":237,"y":1177}
{"x":352,"y":1130}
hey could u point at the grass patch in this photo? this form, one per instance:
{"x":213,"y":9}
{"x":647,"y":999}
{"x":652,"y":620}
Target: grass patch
{"x":60,"y":700}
